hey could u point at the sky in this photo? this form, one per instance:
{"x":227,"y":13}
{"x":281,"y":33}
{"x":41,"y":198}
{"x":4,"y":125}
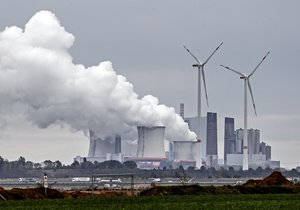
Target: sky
{"x":144,"y":42}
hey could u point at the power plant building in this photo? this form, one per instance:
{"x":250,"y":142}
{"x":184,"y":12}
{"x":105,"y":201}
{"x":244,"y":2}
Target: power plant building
{"x":265,"y":150}
{"x":100,"y":147}
{"x":150,"y":148}
{"x":229,"y":138}
{"x":253,"y":141}
{"x":259,"y":153}
{"x":268,"y":152}
{"x":194,"y":126}
{"x":211,"y":140}
{"x":151,"y":142}
{"x":103,"y":149}
{"x":208,"y":137}
{"x":185,"y":150}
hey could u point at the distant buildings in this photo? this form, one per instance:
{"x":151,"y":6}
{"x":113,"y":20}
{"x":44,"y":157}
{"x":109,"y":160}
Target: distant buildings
{"x":259,"y":152}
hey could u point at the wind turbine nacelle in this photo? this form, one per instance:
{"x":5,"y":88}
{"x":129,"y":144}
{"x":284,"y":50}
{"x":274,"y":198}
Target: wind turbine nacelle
{"x":196,"y":65}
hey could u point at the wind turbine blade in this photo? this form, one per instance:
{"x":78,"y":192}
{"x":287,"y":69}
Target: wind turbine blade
{"x":259,"y":63}
{"x":192,"y":55}
{"x":249,"y":86}
{"x":212,"y":54}
{"x":204,"y":83}
{"x":226,"y":67}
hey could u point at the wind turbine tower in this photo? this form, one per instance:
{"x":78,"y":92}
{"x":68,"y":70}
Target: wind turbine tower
{"x":200,"y":67}
{"x":197,"y":125}
{"x":246,"y":83}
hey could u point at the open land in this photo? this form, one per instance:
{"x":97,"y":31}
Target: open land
{"x":272,"y":192}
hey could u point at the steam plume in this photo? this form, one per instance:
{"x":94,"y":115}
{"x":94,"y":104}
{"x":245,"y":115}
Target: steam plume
{"x":39,"y":79}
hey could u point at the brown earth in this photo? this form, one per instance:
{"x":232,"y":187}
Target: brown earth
{"x":274,"y":183}
{"x":30,"y":193}
{"x":80,"y":194}
{"x":39,"y":193}
{"x":275,"y":179}
{"x":175,"y":190}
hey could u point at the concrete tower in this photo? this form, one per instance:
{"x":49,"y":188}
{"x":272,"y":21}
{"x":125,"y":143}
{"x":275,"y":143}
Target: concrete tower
{"x":184,"y":150}
{"x":181,"y":112}
{"x":151,"y":142}
{"x":229,"y":138}
{"x":118,"y":144}
{"x":212,"y":140}
{"x":99,"y":147}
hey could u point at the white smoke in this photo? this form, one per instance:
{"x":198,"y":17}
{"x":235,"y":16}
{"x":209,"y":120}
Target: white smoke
{"x":39,"y":79}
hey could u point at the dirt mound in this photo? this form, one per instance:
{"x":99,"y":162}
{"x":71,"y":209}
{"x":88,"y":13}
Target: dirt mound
{"x":75,"y":194}
{"x":252,"y":183}
{"x":173,"y":190}
{"x":83,"y":194}
{"x":30,"y":193}
{"x":275,"y":179}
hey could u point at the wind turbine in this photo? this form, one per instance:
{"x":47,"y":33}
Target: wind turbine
{"x":200,"y":67}
{"x":246,"y":79}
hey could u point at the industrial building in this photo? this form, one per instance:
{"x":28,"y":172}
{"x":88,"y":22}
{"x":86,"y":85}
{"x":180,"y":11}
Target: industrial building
{"x":229,"y":138}
{"x":259,"y":153}
{"x":265,"y":149}
{"x":211,"y":140}
{"x":194,"y":126}
{"x":100,"y":147}
{"x":151,"y":142}
{"x":149,"y":151}
{"x":103,"y":149}
{"x":208,"y":137}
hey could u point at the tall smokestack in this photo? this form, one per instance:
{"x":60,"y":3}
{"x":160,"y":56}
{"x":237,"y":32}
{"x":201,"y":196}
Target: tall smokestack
{"x":151,"y":142}
{"x":181,"y":113}
{"x":118,"y":144}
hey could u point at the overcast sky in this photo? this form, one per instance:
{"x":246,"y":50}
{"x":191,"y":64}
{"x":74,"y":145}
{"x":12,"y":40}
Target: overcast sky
{"x":144,"y":41}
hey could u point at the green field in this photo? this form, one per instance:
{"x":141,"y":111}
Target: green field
{"x":267,"y":201}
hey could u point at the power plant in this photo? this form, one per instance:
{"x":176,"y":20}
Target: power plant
{"x":149,"y":151}
{"x":241,"y":149}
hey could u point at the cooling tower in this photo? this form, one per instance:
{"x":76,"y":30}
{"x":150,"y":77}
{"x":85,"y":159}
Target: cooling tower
{"x":99,"y":147}
{"x":184,"y":150}
{"x":151,"y":142}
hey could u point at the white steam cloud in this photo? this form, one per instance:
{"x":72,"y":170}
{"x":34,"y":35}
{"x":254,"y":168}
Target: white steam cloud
{"x":39,"y":79}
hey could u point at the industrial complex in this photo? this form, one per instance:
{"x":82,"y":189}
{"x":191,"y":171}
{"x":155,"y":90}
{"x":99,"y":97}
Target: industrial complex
{"x":242,"y":148}
{"x":152,"y":150}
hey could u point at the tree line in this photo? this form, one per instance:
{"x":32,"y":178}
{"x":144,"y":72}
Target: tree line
{"x":23,"y":168}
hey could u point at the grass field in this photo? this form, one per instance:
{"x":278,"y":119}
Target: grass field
{"x":261,"y":202}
